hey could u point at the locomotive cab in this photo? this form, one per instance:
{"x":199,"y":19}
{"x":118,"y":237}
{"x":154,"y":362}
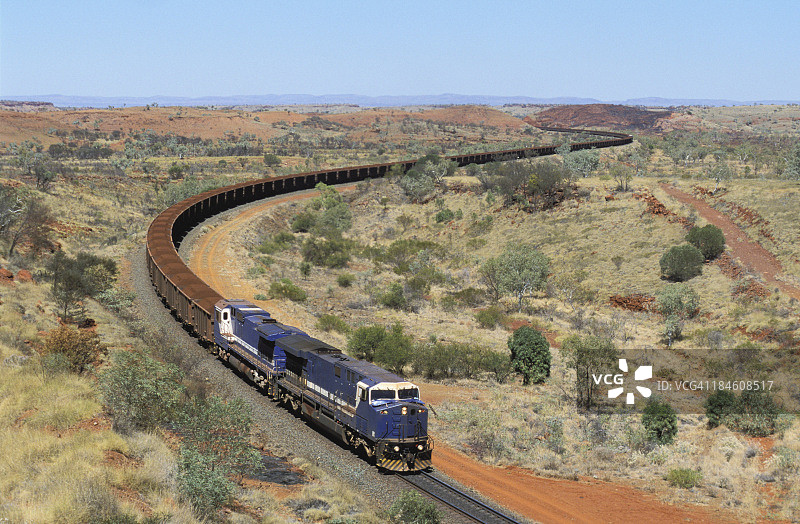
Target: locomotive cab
{"x":398,"y":422}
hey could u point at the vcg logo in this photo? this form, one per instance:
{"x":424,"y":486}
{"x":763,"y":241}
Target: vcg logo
{"x":618,"y":379}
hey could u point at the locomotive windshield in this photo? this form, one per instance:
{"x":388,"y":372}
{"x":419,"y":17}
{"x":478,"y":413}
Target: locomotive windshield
{"x":408,"y":393}
{"x":381,"y":394}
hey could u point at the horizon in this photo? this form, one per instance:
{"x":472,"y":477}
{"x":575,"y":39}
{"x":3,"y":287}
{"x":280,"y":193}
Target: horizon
{"x":713,"y":51}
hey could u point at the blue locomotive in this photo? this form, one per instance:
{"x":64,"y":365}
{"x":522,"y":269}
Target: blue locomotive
{"x":360,"y":403}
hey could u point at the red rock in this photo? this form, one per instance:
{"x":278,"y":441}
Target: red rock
{"x":23,"y":275}
{"x":6,"y":275}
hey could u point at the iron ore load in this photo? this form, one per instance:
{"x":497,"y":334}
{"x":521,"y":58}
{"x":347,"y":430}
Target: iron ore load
{"x":364,"y":406}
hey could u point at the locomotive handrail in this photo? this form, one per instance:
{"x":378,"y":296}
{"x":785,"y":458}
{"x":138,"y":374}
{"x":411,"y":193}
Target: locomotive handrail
{"x":193,"y":300}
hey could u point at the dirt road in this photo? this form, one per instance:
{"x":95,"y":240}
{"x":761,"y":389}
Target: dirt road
{"x":751,"y":254}
{"x":539,"y":499}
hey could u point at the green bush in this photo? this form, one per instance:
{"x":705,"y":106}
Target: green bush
{"x":755,"y":414}
{"x":139,"y":391}
{"x":445,"y":215}
{"x":345,"y":279}
{"x":530,"y":354}
{"x":684,"y":478}
{"x":680,"y":263}
{"x":491,"y":316}
{"x":331,"y":253}
{"x":260,"y":296}
{"x":708,"y":239}
{"x":286,"y":289}
{"x":271,"y":159}
{"x":277,"y":242}
{"x":204,"y":487}
{"x":719,"y":405}
{"x":660,"y":422}
{"x":413,"y":508}
{"x":332,"y":323}
{"x":303,"y":222}
{"x":394,"y":297}
{"x":470,"y":296}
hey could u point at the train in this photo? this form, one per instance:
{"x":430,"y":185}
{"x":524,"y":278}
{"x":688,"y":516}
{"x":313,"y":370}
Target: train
{"x":364,"y":406}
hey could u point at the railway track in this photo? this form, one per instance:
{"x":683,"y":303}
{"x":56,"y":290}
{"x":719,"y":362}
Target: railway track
{"x":192,"y":300}
{"x":457,"y":499}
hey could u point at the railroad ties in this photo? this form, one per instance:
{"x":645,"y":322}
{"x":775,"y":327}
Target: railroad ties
{"x":457,"y":499}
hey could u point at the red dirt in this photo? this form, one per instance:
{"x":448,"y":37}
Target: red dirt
{"x":636,"y":302}
{"x":751,"y":255}
{"x":656,"y":208}
{"x":599,"y":115}
{"x":23,"y":275}
{"x":559,"y":500}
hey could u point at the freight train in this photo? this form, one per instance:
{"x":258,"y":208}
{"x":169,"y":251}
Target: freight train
{"x":362,"y":404}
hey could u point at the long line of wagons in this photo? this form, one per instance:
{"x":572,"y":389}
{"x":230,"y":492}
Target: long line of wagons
{"x":360,"y":403}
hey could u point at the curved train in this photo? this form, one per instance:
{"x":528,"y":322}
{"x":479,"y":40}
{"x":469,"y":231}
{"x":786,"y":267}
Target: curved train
{"x":363,"y":405}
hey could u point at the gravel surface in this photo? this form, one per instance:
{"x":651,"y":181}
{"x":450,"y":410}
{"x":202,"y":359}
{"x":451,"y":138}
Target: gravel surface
{"x":279,"y":431}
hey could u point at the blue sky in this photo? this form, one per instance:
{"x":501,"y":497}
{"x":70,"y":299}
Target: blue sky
{"x":599,"y":49}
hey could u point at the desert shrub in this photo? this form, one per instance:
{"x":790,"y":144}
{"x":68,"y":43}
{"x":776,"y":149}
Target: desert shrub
{"x":719,"y":405}
{"x":116,"y":299}
{"x":260,"y":296}
{"x":445,"y":215}
{"x":333,"y":215}
{"x":448,"y":303}
{"x":203,"y":486}
{"x":345,"y":279}
{"x":220,"y":431}
{"x":79,"y":347}
{"x":332,"y":323}
{"x":303,"y":222}
{"x":677,"y":302}
{"x":278,"y":242}
{"x":139,"y":391}
{"x":327,"y":252}
{"x":684,"y":478}
{"x":394,"y":297}
{"x":708,"y":239}
{"x":530,"y":354}
{"x":401,"y":254}
{"x":660,"y":422}
{"x":470,"y":296}
{"x":286,"y":289}
{"x":305,"y":269}
{"x":75,"y":278}
{"x":498,"y":364}
{"x":754,"y":415}
{"x":491,"y":316}
{"x":412,"y":508}
{"x":271,"y":159}
{"x":680,"y":263}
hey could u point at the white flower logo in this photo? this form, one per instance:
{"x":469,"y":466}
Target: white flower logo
{"x":642,"y":373}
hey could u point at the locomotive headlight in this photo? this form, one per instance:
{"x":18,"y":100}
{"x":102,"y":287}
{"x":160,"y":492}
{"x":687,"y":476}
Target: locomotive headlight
{"x":404,"y":411}
{"x":396,"y":449}
{"x":384,"y":412}
{"x":420,"y":447}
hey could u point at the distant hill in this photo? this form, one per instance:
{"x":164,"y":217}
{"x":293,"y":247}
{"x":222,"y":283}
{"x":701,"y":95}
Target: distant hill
{"x":366,"y":101}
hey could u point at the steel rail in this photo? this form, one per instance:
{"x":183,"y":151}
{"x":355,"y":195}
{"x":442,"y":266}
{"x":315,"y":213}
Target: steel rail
{"x":459,"y":500}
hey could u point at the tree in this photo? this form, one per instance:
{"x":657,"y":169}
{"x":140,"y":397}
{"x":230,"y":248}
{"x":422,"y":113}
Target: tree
{"x":30,"y":224}
{"x":334,"y":216}
{"x":391,"y":348}
{"x":792,"y":169}
{"x":660,"y":422}
{"x":546,"y":179}
{"x":587,"y":356}
{"x":708,"y":239}
{"x":582,"y":162}
{"x":622,"y":176}
{"x":719,"y":172}
{"x":677,"y":302}
{"x":681,"y":263}
{"x":11,"y":206}
{"x":520,"y":270}
{"x":530,"y":355}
